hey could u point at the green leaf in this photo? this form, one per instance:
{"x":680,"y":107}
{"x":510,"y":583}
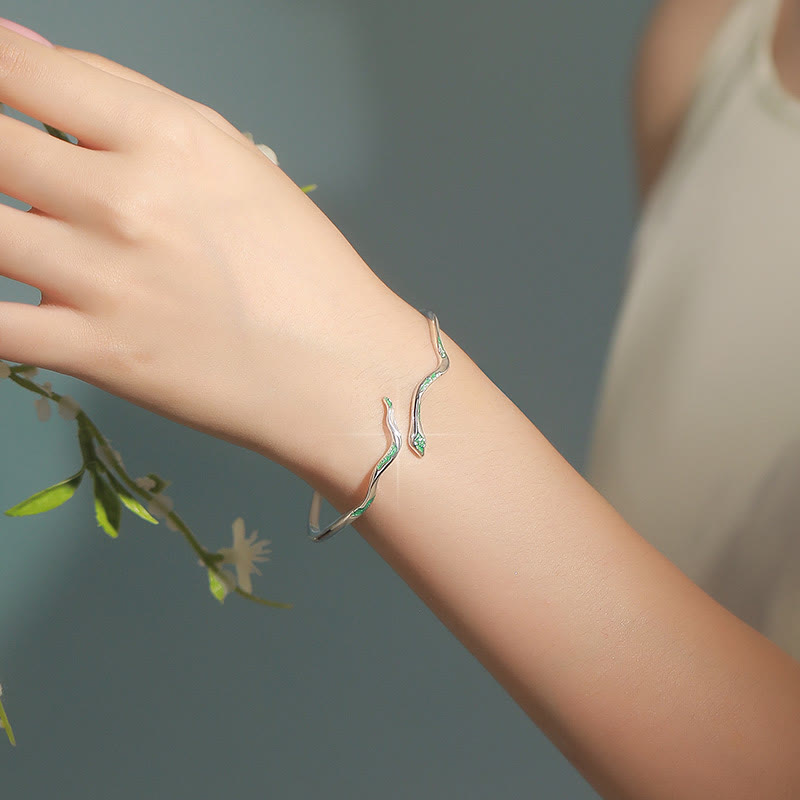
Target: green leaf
{"x":7,"y":725}
{"x":309,"y":188}
{"x":49,"y":498}
{"x":130,"y":501}
{"x":216,"y":585}
{"x":107,"y":507}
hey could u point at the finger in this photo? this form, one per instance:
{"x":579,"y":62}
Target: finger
{"x":113,"y":68}
{"x":100,"y":109}
{"x":51,"y":337}
{"x":44,"y":253}
{"x":45,"y":171}
{"x":15,"y":26}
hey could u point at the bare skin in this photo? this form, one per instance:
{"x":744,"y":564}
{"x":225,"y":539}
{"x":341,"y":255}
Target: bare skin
{"x":786,"y":46}
{"x":672,"y":44}
{"x":649,"y":687}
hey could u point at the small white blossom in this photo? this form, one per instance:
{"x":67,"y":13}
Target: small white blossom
{"x":228,"y":580}
{"x":160,"y":505}
{"x":43,"y":403}
{"x":265,"y":149}
{"x":67,"y":407}
{"x":245,"y":551}
{"x":5,"y":370}
{"x":101,"y":454}
{"x":269,"y":153}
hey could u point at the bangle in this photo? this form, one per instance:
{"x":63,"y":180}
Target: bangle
{"x":346,"y":519}
{"x":416,"y":439}
{"x":416,"y":436}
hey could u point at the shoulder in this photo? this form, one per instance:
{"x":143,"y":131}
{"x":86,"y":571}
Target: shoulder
{"x":673,"y":41}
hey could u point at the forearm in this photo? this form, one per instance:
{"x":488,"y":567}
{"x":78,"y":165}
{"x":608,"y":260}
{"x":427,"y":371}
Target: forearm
{"x":645,"y":683}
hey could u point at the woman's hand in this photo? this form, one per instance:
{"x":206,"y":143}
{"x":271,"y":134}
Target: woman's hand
{"x":180,"y":268}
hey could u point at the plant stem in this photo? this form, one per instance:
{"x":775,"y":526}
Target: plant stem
{"x":87,"y":451}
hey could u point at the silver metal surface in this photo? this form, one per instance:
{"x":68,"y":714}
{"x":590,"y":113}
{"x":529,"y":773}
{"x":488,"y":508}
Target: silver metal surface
{"x":390,"y":455}
{"x":416,"y":436}
{"x":416,"y":439}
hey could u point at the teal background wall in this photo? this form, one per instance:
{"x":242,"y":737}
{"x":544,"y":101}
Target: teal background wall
{"x":478,"y":157}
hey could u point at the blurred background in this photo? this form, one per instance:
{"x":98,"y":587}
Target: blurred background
{"x":478,"y":157}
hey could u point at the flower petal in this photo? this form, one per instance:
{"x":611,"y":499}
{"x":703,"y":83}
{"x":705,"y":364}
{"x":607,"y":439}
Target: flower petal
{"x":42,"y":408}
{"x":269,"y":153}
{"x":67,"y":407}
{"x":160,"y":505}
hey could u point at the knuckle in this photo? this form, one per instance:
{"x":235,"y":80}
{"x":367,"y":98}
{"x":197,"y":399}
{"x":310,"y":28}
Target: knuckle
{"x":213,"y":115}
{"x":171,"y":129}
{"x":126,"y":209}
{"x":222,"y":123}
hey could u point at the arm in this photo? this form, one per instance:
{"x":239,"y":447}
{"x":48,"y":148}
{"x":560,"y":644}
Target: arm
{"x":646,"y":684}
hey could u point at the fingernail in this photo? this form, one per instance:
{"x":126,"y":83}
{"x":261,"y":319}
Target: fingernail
{"x":21,"y":29}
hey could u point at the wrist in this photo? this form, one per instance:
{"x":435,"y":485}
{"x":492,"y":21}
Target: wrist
{"x":390,"y":350}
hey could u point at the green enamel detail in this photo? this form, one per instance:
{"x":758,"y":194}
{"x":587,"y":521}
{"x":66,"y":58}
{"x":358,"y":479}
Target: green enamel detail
{"x":419,"y":442}
{"x":441,"y":347}
{"x":429,"y":380}
{"x":388,"y":402}
{"x":389,"y":455}
{"x":359,"y":511}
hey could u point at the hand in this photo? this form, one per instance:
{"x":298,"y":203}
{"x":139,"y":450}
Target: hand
{"x":179,"y":267}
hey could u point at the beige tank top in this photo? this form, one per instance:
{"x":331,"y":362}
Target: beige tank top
{"x":696,"y":438}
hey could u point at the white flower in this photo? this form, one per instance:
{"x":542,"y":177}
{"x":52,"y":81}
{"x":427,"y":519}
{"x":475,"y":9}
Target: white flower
{"x":267,"y":151}
{"x":160,"y":505}
{"x":5,"y":370}
{"x":43,"y":404}
{"x":67,"y":407}
{"x":101,"y":454}
{"x":245,"y":551}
